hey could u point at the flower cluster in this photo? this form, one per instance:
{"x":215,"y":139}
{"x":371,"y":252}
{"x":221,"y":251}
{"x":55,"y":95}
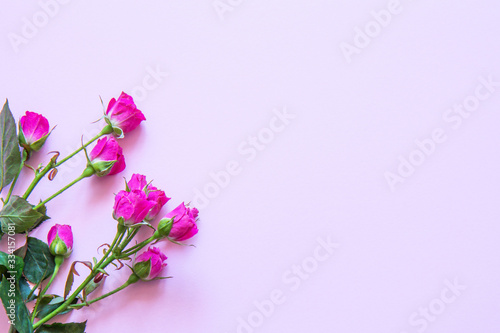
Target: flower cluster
{"x":139,"y":202}
{"x":137,"y":205}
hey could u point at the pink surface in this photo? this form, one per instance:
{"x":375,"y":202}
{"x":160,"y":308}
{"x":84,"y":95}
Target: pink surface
{"x":301,"y":117}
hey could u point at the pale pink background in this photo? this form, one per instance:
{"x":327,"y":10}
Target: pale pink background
{"x":323,"y":176}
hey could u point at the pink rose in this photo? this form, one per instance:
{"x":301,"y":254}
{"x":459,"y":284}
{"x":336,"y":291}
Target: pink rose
{"x":107,"y":157}
{"x":159,"y":198}
{"x":139,"y":183}
{"x":123,"y":115}
{"x":183,"y":222}
{"x":60,"y":240}
{"x":149,"y":264}
{"x":33,"y":131}
{"x":131,"y":207}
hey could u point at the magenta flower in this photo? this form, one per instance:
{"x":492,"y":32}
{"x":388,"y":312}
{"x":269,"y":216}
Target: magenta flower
{"x":139,"y":183}
{"x":149,"y":264}
{"x":159,"y":198}
{"x":183,"y":222}
{"x":123,"y":115}
{"x":131,"y":207}
{"x":107,"y":157}
{"x":33,"y":131}
{"x":60,"y":240}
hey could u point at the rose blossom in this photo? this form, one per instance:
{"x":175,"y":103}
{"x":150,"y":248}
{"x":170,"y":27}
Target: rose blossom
{"x":183,"y":222}
{"x":107,"y":157}
{"x":123,"y":115}
{"x":33,"y":130}
{"x":149,"y":264}
{"x":131,"y":207}
{"x":139,"y":183}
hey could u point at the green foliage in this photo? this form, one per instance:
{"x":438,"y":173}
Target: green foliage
{"x":38,"y":262}
{"x":63,"y":328}
{"x":10,"y":155}
{"x":19,"y":215}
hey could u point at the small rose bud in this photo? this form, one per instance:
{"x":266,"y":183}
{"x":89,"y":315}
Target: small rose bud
{"x":139,"y":183}
{"x":106,"y":158}
{"x":131,"y":207}
{"x":123,"y":115}
{"x":33,"y":131}
{"x":184,"y":222}
{"x":97,"y":281}
{"x":60,"y":239}
{"x":149,"y":264}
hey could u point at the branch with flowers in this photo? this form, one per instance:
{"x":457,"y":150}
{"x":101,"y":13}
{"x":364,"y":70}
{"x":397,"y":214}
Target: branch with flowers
{"x":27,"y":272}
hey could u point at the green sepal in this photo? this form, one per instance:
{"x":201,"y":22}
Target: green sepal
{"x":117,"y":131}
{"x":162,"y":278}
{"x":35,"y":146}
{"x":102,"y":168}
{"x":165,"y":226}
{"x":142,"y":269}
{"x":140,"y":224}
{"x":58,"y":247}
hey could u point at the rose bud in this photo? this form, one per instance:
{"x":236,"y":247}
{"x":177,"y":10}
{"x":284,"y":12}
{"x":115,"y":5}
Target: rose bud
{"x":97,"y":281}
{"x":139,"y":183}
{"x":131,"y":207}
{"x":60,"y":239}
{"x":123,"y":115}
{"x":107,"y":157}
{"x":149,"y":264}
{"x":183,"y":220}
{"x":33,"y":131}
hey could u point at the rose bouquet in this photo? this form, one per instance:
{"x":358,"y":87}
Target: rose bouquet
{"x":27,"y":272}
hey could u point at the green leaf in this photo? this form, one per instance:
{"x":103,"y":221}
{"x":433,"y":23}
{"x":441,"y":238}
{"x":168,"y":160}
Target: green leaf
{"x":21,"y":252}
{"x":25,"y":289}
{"x":42,"y":210}
{"x":38,"y":262}
{"x":51,"y":302}
{"x":10,"y":155}
{"x":15,"y":308}
{"x":11,"y":263}
{"x":63,"y":328}
{"x":19,"y":215}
